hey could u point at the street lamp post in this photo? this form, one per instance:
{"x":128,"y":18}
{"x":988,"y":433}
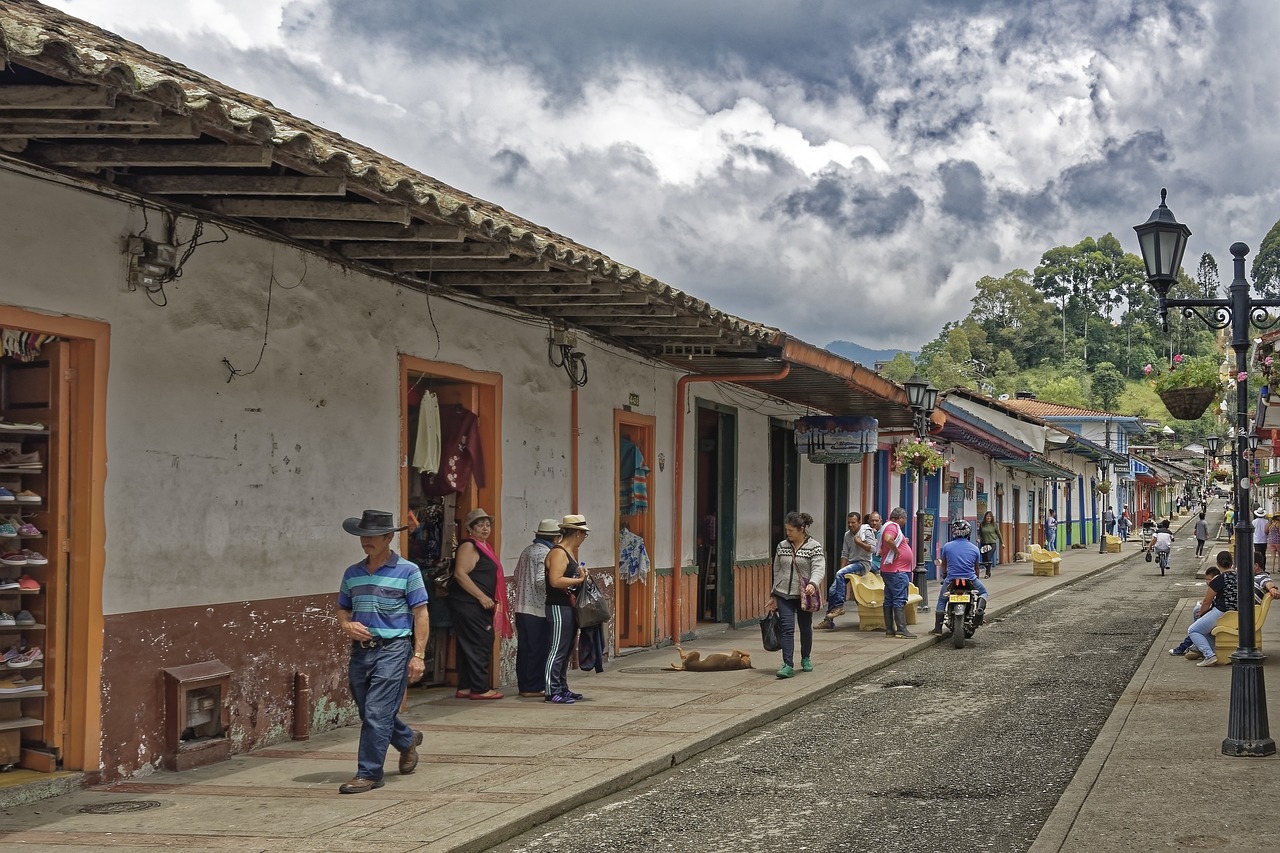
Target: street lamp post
{"x":922,"y":397}
{"x":1163,"y":240}
{"x":1102,"y":535}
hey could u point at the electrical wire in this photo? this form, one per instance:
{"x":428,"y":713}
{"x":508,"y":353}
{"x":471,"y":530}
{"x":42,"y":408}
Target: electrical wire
{"x":272,"y":284}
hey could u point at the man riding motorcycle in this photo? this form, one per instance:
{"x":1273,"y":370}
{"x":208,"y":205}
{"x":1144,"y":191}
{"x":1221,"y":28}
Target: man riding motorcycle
{"x":959,"y":559}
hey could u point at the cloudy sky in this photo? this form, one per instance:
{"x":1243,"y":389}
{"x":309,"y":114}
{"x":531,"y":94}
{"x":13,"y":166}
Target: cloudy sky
{"x":842,"y":169}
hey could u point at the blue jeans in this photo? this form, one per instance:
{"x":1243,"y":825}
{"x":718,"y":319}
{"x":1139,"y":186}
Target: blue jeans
{"x":946,"y":590}
{"x":1199,"y":632}
{"x":896,"y":588}
{"x":378,"y":678}
{"x":836,"y":592}
{"x":789,"y":610}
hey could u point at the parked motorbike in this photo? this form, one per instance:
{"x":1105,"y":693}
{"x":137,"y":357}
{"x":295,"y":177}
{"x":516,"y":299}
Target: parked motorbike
{"x":964,"y":610}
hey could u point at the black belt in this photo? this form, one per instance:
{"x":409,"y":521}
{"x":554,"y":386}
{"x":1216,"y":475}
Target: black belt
{"x":377,"y":642}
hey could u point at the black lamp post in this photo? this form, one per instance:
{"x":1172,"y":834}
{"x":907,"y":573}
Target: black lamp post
{"x":1105,"y":496}
{"x":922,"y":397}
{"x":1164,"y":240}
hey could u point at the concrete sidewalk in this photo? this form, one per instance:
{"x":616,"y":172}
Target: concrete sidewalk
{"x":491,"y":770}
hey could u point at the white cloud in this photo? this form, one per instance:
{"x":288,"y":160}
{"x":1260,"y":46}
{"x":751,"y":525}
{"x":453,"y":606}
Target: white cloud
{"x":802,"y":193}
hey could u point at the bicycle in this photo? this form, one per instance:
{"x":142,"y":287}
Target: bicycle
{"x":1162,"y":560}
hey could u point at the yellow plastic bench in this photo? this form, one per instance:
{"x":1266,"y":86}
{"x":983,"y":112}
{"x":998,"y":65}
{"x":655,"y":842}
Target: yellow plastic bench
{"x":1044,"y":563}
{"x":1113,"y":544}
{"x":1226,"y":634}
{"x":867,"y":590}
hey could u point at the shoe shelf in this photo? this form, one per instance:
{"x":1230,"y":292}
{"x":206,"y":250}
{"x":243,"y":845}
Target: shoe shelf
{"x":7,"y":592}
{"x":20,"y":722}
{"x":13,"y":629}
{"x":11,"y":471}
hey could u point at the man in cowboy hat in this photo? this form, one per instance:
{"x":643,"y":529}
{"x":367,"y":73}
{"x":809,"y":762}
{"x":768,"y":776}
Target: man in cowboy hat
{"x":533,"y":634}
{"x":382,"y":609}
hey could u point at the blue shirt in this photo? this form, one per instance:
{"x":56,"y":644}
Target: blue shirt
{"x":962,"y":558}
{"x":383,"y":601}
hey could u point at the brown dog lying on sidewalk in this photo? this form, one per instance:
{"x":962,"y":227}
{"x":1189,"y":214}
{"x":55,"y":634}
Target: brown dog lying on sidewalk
{"x":717,"y":662}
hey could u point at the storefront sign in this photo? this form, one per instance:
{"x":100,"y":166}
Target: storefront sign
{"x":836,"y":439}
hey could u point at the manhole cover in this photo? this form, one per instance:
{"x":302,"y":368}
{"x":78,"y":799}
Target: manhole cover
{"x":641,"y":670}
{"x":900,"y":685}
{"x":123,"y":807}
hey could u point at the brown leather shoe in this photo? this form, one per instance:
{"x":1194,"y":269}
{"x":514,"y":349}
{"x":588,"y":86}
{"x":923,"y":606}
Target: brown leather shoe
{"x":409,"y":758}
{"x":358,"y":785}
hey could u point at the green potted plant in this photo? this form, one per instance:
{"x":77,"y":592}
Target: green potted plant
{"x":1102,"y":487}
{"x":1188,"y":386}
{"x":918,"y":456}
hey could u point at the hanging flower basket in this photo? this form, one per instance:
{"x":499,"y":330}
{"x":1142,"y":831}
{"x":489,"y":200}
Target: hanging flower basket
{"x":1102,"y":487}
{"x":1188,"y":404}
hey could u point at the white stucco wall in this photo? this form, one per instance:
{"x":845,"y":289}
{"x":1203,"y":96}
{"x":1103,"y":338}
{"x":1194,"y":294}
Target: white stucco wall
{"x":224,"y":491}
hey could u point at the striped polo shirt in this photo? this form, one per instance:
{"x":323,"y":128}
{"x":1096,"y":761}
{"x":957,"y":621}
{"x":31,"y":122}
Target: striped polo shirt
{"x":383,"y":601}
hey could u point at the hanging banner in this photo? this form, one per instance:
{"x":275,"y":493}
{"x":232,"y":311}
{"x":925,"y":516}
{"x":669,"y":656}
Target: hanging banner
{"x":836,"y":440}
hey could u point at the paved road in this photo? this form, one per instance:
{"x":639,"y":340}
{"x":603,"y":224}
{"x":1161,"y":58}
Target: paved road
{"x":950,"y":750}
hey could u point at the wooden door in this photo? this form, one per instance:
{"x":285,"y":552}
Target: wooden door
{"x":634,"y":605}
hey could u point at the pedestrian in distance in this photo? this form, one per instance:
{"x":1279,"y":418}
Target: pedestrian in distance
{"x":1260,"y":536}
{"x":477,"y":604}
{"x":1109,"y":520}
{"x":989,"y":540}
{"x":1273,"y":541}
{"x":533,"y":632}
{"x":799,"y":569}
{"x":897,"y":561}
{"x":1051,"y":530}
{"x":565,"y":572}
{"x":382,"y":609}
{"x":1202,"y":534}
{"x":1125,"y":524}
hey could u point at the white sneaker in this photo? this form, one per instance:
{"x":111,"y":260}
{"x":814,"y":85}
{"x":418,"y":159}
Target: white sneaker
{"x":1211,"y":660}
{"x":7,"y":620}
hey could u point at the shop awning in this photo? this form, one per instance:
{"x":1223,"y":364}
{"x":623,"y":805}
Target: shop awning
{"x":968,"y":430}
{"x":1269,"y":479}
{"x":1038,"y":466}
{"x":1068,"y":442}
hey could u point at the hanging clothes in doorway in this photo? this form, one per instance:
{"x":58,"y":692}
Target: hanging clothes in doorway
{"x":461,"y":455}
{"x":633,"y":488}
{"x":633,"y":559}
{"x":426,"y":444}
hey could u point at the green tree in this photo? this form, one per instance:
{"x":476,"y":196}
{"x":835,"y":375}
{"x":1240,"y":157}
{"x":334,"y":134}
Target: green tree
{"x":1266,"y":264}
{"x":1106,"y":386}
{"x":1006,"y":376}
{"x":1207,"y":275}
{"x":900,"y":368}
{"x":1014,"y":316}
{"x":1067,"y":390}
{"x":1090,"y":280}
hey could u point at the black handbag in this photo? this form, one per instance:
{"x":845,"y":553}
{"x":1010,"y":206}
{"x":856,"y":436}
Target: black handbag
{"x":771,"y":631}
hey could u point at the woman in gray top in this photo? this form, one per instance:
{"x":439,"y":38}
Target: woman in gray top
{"x":1202,"y":533}
{"x":799,"y":567}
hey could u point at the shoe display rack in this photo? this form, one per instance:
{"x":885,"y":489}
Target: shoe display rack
{"x":27,"y":456}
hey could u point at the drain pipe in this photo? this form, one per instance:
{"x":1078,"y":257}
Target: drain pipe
{"x":677,"y":526}
{"x":301,"y":706}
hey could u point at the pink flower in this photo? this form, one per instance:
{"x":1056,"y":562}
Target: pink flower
{"x":1242,"y":376}
{"x":1148,"y":369}
{"x":1177,"y":359}
{"x":1267,"y":361}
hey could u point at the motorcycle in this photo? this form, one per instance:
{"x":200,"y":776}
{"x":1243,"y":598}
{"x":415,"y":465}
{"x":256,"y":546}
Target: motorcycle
{"x":964,"y":611}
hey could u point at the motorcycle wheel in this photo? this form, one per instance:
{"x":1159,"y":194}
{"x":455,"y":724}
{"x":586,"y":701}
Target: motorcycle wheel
{"x":957,"y":627}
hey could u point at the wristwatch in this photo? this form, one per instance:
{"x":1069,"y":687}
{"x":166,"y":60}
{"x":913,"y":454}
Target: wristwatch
{"x":420,"y":655}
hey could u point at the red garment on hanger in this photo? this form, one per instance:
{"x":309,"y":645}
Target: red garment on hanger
{"x":461,"y":455}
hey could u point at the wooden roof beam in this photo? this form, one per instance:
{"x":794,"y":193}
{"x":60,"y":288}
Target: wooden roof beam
{"x":554,"y":278}
{"x":168,"y":127}
{"x":55,"y":97}
{"x":88,"y":156}
{"x":412,"y":257}
{"x":488,"y":265}
{"x":521,"y":292}
{"x":359,"y":211}
{"x":412,"y":231}
{"x":310,"y":185}
{"x":578,"y":300}
{"x":132,"y":112}
{"x":569,"y":309}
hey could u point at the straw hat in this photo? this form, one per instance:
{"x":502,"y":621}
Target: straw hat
{"x":476,"y":515}
{"x":548,"y":527}
{"x":574,"y":522}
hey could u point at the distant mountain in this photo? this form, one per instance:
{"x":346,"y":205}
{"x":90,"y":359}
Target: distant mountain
{"x":863,"y":355}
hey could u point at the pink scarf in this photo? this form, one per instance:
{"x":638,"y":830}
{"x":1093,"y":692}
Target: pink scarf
{"x":501,"y":619}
